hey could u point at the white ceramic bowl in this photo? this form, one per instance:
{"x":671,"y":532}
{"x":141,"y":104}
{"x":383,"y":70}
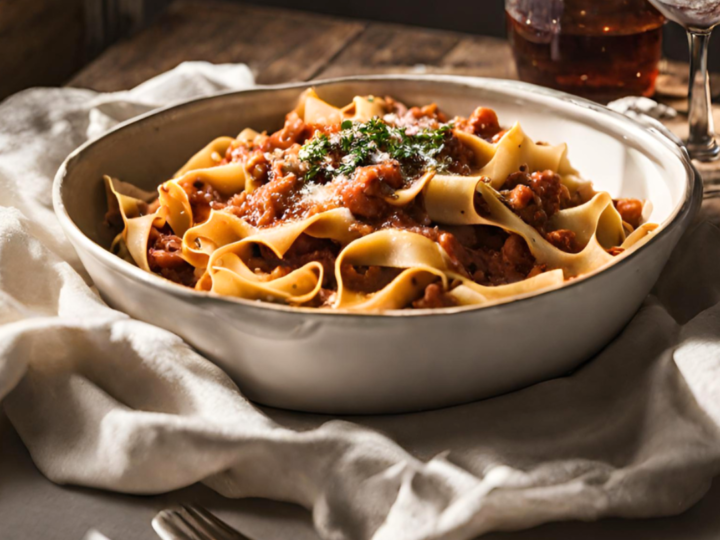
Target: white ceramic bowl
{"x":358,"y":363}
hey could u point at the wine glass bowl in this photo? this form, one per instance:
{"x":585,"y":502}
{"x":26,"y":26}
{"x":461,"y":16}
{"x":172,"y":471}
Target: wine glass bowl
{"x":698,"y":17}
{"x":695,"y":14}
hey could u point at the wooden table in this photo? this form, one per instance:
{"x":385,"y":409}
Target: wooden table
{"x":279,"y":46}
{"x":283,"y":46}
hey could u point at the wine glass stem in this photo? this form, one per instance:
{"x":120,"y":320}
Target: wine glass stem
{"x":701,"y":142}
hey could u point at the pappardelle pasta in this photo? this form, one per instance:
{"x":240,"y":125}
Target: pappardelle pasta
{"x":374,"y":206}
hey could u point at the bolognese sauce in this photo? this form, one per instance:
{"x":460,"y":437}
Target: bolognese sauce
{"x":304,"y":169}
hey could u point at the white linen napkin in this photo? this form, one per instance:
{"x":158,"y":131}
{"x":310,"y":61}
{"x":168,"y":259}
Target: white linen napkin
{"x":105,"y":401}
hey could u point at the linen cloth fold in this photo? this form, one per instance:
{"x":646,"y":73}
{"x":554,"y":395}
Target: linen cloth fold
{"x":105,"y":401}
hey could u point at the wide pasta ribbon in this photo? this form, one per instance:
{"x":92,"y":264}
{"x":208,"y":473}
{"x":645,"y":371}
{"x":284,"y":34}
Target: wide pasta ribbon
{"x":229,"y":274}
{"x":210,"y":156}
{"x":422,"y":260}
{"x":174,"y":205}
{"x":220,"y":229}
{"x":469,"y":293}
{"x":515,"y":149}
{"x":315,"y":111}
{"x":225,"y":247}
{"x":596,"y":223}
{"x":132,"y":202}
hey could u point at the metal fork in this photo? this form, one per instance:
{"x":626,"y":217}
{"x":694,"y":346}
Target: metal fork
{"x":193,"y":523}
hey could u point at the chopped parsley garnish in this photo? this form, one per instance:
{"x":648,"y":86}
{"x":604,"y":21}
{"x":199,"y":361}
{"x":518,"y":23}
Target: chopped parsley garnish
{"x":359,"y":144}
{"x":314,"y":153}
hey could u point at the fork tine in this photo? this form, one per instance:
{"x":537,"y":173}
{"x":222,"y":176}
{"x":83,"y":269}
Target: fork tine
{"x":198,"y":529}
{"x":165,"y":527}
{"x":169,"y":525}
{"x":210,"y":524}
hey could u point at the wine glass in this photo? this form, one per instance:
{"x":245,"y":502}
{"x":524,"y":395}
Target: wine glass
{"x":698,"y":17}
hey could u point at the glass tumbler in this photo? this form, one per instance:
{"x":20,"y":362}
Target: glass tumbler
{"x":599,"y":49}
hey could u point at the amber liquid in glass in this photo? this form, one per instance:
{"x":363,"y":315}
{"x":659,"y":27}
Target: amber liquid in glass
{"x":602,"y":50}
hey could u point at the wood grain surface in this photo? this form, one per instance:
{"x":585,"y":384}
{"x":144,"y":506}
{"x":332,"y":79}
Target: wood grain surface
{"x":283,"y":45}
{"x":41,"y":42}
{"x":291,"y":47}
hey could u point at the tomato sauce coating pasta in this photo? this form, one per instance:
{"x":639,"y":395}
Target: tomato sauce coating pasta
{"x":372,"y":207}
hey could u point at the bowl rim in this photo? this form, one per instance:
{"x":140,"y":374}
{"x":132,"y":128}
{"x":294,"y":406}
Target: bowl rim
{"x":681,"y":211}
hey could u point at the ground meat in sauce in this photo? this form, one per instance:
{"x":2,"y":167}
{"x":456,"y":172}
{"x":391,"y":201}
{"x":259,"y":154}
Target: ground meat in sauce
{"x":367,"y":279}
{"x":267,"y":204}
{"x":434,"y":297}
{"x":429,"y":116}
{"x":364,"y":195}
{"x":564,"y":240}
{"x":482,"y":122}
{"x":294,"y":131}
{"x":462,"y":158}
{"x":257,"y":166}
{"x":631,"y":211}
{"x":304,"y":250}
{"x":536,"y":197}
{"x":488,"y":255}
{"x":165,"y":257}
{"x":203,"y":199}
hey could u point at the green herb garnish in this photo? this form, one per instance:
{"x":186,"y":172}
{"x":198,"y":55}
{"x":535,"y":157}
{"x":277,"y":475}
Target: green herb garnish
{"x":314,"y":153}
{"x":360,"y":144}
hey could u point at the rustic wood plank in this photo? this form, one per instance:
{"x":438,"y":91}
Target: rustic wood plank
{"x":41,"y":42}
{"x":284,"y":45}
{"x":301,"y":57}
{"x":482,"y":57}
{"x":278,"y":45}
{"x":387,"y":48}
